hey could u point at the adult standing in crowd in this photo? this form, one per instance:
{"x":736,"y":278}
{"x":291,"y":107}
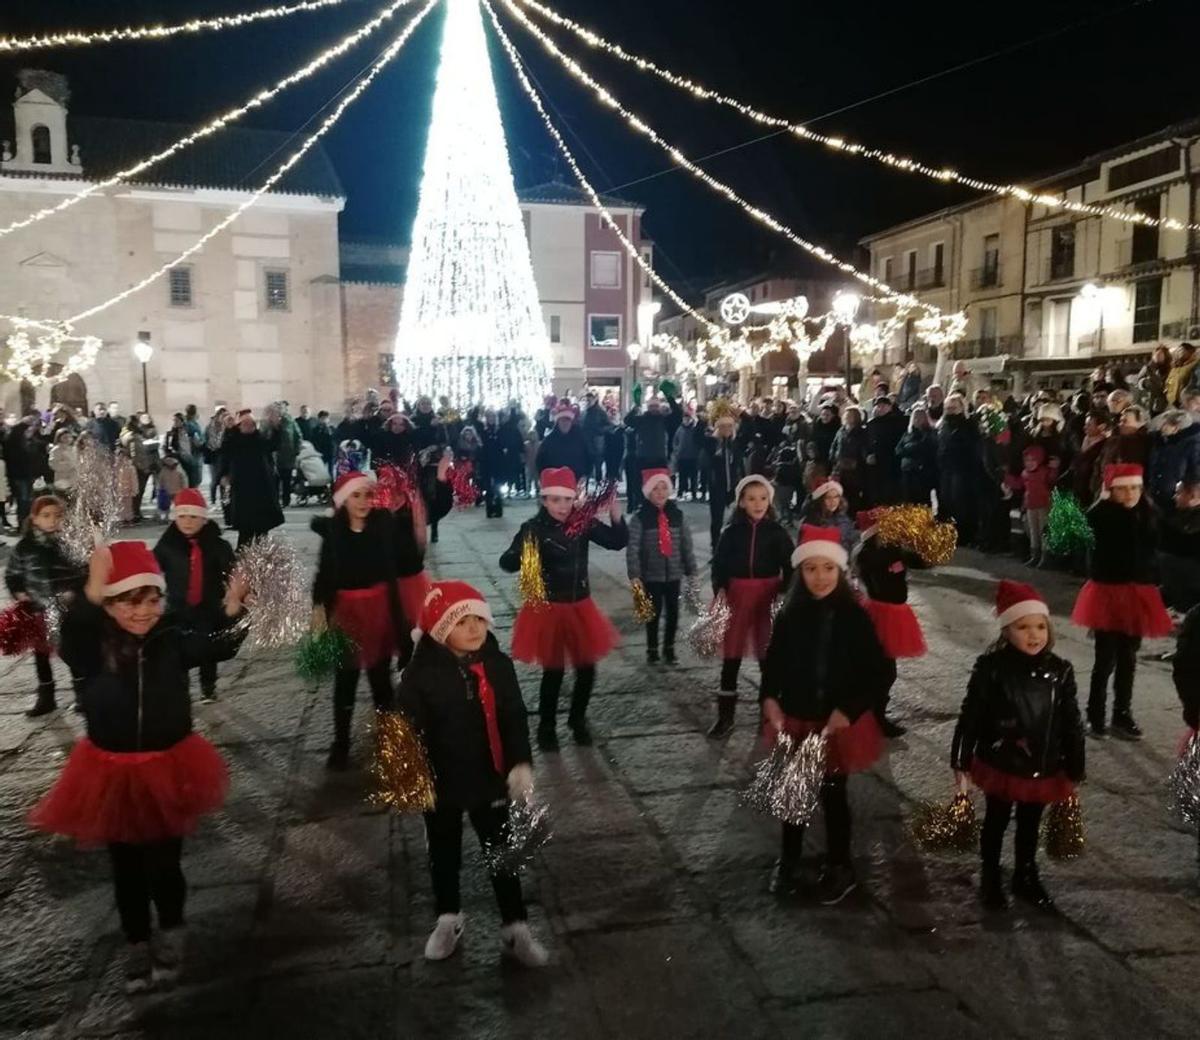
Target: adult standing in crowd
{"x":320,"y":436}
{"x":1183,"y":365}
{"x":824,"y":432}
{"x":595,"y":422}
{"x":27,"y":458}
{"x":214,"y":433}
{"x":105,"y":430}
{"x":133,"y":443}
{"x":1151,"y":381}
{"x":655,"y":429}
{"x":918,"y":454}
{"x":884,"y":433}
{"x":248,"y":470}
{"x":283,"y":433}
{"x":179,"y":443}
{"x":685,"y":456}
{"x":959,"y":468}
{"x":565,"y":444}
{"x":724,"y":474}
{"x":491,"y":465}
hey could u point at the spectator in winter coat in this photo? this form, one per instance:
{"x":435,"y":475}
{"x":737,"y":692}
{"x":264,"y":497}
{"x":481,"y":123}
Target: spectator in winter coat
{"x":910,"y":388}
{"x":321,"y":438}
{"x":959,"y":467}
{"x":64,"y":462}
{"x":918,"y":451}
{"x":655,"y":429}
{"x":1183,"y":364}
{"x":595,"y":423}
{"x":1179,"y":548}
{"x":26,"y":459}
{"x":724,"y":473}
{"x":1131,"y":442}
{"x":103,"y":427}
{"x":428,"y":430}
{"x":1151,"y":382}
{"x":884,"y":433}
{"x":848,"y":457}
{"x":824,"y":431}
{"x":935,"y":403}
{"x":248,"y":470}
{"x":1084,"y":473}
{"x":1174,"y":456}
{"x":491,"y":465}
{"x":565,"y":445}
{"x":685,"y":456}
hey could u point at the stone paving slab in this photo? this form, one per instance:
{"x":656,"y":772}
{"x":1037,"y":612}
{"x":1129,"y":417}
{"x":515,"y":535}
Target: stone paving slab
{"x":309,"y":908}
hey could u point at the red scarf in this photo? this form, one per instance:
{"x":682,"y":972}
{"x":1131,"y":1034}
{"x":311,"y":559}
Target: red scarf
{"x":487,"y":701}
{"x":665,"y":544}
{"x":195,"y":589}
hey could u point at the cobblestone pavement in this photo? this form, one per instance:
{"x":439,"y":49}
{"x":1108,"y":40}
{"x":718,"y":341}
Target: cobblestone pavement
{"x":308,"y":909}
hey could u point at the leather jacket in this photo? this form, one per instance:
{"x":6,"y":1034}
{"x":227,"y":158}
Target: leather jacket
{"x":1021,"y":716}
{"x":564,"y":559}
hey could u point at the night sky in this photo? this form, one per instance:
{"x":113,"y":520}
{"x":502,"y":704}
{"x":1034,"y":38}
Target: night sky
{"x":1074,"y":76}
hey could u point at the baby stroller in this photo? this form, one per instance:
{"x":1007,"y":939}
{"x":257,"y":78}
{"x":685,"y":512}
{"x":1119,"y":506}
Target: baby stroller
{"x":312,"y":480}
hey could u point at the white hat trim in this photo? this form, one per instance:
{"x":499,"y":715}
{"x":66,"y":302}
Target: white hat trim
{"x":658,"y":478}
{"x":200,"y":511}
{"x":1022,"y":609}
{"x":1126,"y":482}
{"x":567,"y":491}
{"x":819,"y":547}
{"x":754,"y":478}
{"x":821,"y":490}
{"x":461,"y":609}
{"x":135,"y":581}
{"x":347,"y":489}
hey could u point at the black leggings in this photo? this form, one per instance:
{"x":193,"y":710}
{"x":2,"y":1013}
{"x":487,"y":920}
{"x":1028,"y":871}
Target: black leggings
{"x":836,"y":807}
{"x":145,"y":874}
{"x":1115,"y":652}
{"x":664,"y":595}
{"x":881,"y":709}
{"x":552,"y":683}
{"x":345,"y":687}
{"x":730,"y":667}
{"x":45,"y":674}
{"x":995,"y":823}
{"x":443,"y":832}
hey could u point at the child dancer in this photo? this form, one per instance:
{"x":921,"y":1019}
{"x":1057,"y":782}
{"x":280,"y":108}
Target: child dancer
{"x":462,"y":695}
{"x":1120,"y":603}
{"x":750,"y":565}
{"x":1019,"y":738}
{"x":569,"y":627}
{"x":826,"y":507}
{"x":659,"y":556}
{"x":883,"y":571}
{"x":824,"y":672}
{"x":1037,"y":481}
{"x":39,"y":573}
{"x":140,"y":779}
{"x":355,"y":590}
{"x":196,"y":563}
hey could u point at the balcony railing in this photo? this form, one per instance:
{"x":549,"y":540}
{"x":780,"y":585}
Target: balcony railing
{"x":966,"y":349}
{"x":986,"y":277}
{"x":930,"y":278}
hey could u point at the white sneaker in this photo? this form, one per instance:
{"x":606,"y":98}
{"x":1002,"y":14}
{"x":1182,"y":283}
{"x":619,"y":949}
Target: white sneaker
{"x":443,"y":940}
{"x":138,"y":968}
{"x":167,"y":950}
{"x":517,"y":941}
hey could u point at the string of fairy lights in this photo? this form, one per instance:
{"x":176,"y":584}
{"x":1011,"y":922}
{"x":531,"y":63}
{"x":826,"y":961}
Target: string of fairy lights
{"x":839,"y":144}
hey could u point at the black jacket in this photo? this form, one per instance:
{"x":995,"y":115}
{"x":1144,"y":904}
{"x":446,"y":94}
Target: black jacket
{"x":655,"y":433}
{"x":410,"y":558}
{"x":38,"y":567}
{"x":884,"y":434}
{"x":724,"y":468}
{"x":379,"y":540}
{"x":918,"y":454}
{"x":824,"y":655}
{"x":1185,"y":669}
{"x":564,"y":559}
{"x":820,"y":444}
{"x":440,"y":694}
{"x":427,"y":430}
{"x":174,"y":555}
{"x":392,"y":448}
{"x":568,"y":449}
{"x":751,"y":550}
{"x":135,"y":691}
{"x":1020,"y":716}
{"x":246,"y":459}
{"x":1126,"y":540}
{"x":884,"y":570}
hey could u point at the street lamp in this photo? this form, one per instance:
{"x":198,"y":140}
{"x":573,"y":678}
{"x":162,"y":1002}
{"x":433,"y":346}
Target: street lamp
{"x":634,"y":350}
{"x":143,"y":351}
{"x":845,"y":309}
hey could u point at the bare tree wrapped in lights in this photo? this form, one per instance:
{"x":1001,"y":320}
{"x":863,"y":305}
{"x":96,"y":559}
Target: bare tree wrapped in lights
{"x":471,"y":327}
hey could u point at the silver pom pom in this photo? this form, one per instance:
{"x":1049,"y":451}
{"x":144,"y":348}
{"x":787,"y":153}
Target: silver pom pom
{"x":94,"y":514}
{"x":693,"y":596}
{"x":1183,"y":798}
{"x":279,"y":606}
{"x":707,"y":635}
{"x":525,"y":832}
{"x":787,"y":784}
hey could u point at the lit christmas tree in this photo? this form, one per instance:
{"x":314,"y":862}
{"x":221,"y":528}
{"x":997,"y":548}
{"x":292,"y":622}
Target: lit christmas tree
{"x":471,"y":327}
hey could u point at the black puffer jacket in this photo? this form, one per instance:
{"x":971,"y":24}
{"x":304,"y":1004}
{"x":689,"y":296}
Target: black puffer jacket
{"x":1126,"y":543}
{"x":884,"y":570}
{"x":174,"y":555}
{"x":135,"y":691}
{"x":751,"y":550}
{"x":824,"y":655}
{"x":1021,"y":716}
{"x":440,"y":694}
{"x":568,"y":449}
{"x":564,"y":559}
{"x":38,"y":567}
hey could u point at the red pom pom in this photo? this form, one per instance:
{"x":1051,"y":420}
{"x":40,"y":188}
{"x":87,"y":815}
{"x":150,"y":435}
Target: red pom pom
{"x":462,"y":480}
{"x":394,"y":487}
{"x":22,"y":629}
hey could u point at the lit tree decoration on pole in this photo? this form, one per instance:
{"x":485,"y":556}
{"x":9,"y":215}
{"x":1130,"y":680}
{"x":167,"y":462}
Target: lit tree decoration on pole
{"x":471,"y":326}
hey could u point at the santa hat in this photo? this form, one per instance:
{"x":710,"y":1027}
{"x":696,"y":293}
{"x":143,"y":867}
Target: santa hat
{"x":867,"y":521}
{"x":190,"y":502}
{"x":1050,"y":411}
{"x":650,"y":477}
{"x":133,"y":567}
{"x":347,"y":484}
{"x":1015,"y":600}
{"x":1035,"y":452}
{"x":564,"y":408}
{"x":820,"y":541}
{"x":754,"y":478}
{"x":446,"y":604}
{"x":1122,"y":474}
{"x":558,"y":481}
{"x":825,"y":487}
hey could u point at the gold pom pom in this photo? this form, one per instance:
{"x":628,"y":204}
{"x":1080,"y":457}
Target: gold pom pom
{"x":720,"y":408}
{"x":1063,"y":832}
{"x":914,"y":528}
{"x":953,"y":827}
{"x":400,"y":770}
{"x":643,"y":608}
{"x":531,"y":583}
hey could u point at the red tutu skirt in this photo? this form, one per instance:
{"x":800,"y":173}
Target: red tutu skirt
{"x":557,"y":634}
{"x":133,"y":797}
{"x":849,"y":750}
{"x":411,"y":592}
{"x":996,"y":783}
{"x":898,"y":629}
{"x":365,"y":615}
{"x":749,"y":628}
{"x":1135,"y":610}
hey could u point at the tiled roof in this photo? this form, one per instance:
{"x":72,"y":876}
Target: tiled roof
{"x":237,"y":158}
{"x":561,"y":193}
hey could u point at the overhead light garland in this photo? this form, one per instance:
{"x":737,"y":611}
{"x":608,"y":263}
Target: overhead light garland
{"x":220,"y":122}
{"x":34,"y":346}
{"x":159,"y":32}
{"x":839,"y":144}
{"x":607,"y":98}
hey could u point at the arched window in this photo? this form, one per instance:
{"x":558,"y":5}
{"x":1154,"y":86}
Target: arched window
{"x":41,"y":144}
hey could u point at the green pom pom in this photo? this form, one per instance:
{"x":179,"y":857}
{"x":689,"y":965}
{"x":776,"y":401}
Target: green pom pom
{"x":1067,"y":527}
{"x":668,"y":388}
{"x":992,"y":420}
{"x":637,"y":394}
{"x":322,"y":655}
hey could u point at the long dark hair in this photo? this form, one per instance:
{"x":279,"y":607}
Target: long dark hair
{"x":798,"y":595}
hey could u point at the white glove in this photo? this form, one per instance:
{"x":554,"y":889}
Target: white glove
{"x":520,"y":782}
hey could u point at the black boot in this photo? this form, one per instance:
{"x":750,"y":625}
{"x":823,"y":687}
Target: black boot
{"x":45,"y":702}
{"x":1027,"y":886}
{"x":838,"y":881}
{"x":581,"y":695}
{"x":547,"y":736}
{"x":991,"y":888}
{"x":726,"y":705}
{"x":651,"y":655}
{"x":339,"y":757}
{"x":669,"y":655}
{"x":1124,"y":727}
{"x":785,"y":875}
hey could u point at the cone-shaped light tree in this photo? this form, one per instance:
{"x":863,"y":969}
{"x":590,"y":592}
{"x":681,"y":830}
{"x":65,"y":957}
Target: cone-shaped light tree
{"x":471,"y":326}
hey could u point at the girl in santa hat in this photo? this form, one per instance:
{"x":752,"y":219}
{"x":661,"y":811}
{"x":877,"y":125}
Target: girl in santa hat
{"x":659,"y":556}
{"x":824,"y":672}
{"x":826,"y":507}
{"x":883,"y":571}
{"x":1121,"y":602}
{"x":1019,"y":739}
{"x":568,"y":628}
{"x":140,"y":779}
{"x":355,"y":591}
{"x":462,"y":695}
{"x":749,"y":566}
